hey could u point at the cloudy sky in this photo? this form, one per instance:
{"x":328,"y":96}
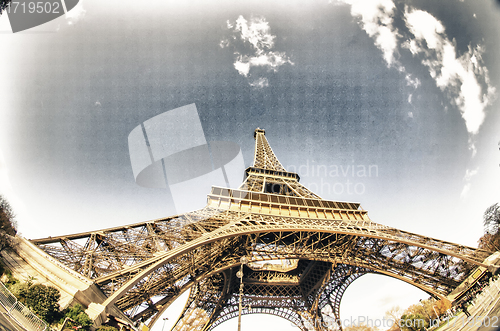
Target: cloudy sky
{"x":397,"y":100}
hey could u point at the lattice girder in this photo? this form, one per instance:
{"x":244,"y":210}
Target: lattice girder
{"x":431,"y":265}
{"x":224,"y":304}
{"x":271,"y":216}
{"x":302,"y":313}
{"x":264,"y":157}
{"x":290,"y":238}
{"x":333,"y":290}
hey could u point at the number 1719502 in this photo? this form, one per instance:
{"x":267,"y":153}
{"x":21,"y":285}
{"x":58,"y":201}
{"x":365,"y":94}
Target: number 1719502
{"x":46,"y":7}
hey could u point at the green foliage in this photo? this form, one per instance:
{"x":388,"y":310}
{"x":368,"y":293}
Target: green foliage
{"x":20,"y":291}
{"x":413,"y":322}
{"x":4,"y":271}
{"x":7,"y":223}
{"x":106,"y":328}
{"x":43,"y":301}
{"x":360,"y":327}
{"x":78,"y":317}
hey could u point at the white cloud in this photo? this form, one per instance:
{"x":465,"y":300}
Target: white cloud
{"x":243,"y":67}
{"x":465,"y":191}
{"x":467,"y":178}
{"x":410,"y":81}
{"x":270,"y":60}
{"x":424,"y":26}
{"x":464,"y":78}
{"x":256,"y":33}
{"x":470,"y":173}
{"x":377,"y":20}
{"x":256,"y":49}
{"x":224,"y":43}
{"x":260,"y":83}
{"x":76,"y":14}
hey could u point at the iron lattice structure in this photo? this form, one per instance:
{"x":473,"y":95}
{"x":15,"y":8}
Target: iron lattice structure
{"x":322,"y":246}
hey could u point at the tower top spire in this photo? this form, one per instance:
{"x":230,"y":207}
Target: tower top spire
{"x":258,"y":130}
{"x":267,"y":174}
{"x":264,"y":157}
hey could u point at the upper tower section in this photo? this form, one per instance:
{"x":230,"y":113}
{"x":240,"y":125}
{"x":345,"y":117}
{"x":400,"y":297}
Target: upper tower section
{"x":264,"y":157}
{"x":267,"y":174}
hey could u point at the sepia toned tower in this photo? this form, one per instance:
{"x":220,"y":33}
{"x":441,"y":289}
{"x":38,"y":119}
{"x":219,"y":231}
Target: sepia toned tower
{"x":271,"y":246}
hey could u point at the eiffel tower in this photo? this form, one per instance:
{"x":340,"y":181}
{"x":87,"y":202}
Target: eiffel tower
{"x":271,"y":243}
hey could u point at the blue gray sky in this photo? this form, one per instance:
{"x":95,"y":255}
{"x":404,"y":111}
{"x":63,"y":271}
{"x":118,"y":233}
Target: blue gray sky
{"x":393,"y":104}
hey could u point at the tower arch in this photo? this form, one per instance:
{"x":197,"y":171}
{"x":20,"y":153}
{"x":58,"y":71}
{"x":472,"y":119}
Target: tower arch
{"x":142,"y":268}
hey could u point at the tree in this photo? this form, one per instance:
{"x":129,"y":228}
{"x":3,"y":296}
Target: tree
{"x":442,"y":306}
{"x":394,"y":314}
{"x":7,"y":223}
{"x":360,"y":327}
{"x":415,"y":309}
{"x":44,"y":301}
{"x":4,"y":4}
{"x":106,"y":328}
{"x":413,"y":322}
{"x":20,"y":290}
{"x":491,"y":220}
{"x":78,"y":317}
{"x":489,"y":242}
{"x":417,"y":316}
{"x":41,"y":299}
